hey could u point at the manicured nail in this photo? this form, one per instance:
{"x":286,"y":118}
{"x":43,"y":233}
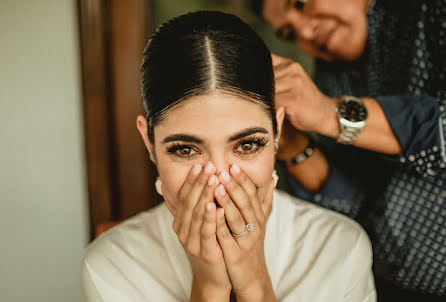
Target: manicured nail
{"x":235,"y":169}
{"x":196,"y":169}
{"x":208,"y":206}
{"x":212,"y":180}
{"x":209,"y":168}
{"x":225,"y":176}
{"x":221,"y":190}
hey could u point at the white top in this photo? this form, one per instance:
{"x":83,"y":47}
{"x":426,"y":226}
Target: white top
{"x":312,"y":254}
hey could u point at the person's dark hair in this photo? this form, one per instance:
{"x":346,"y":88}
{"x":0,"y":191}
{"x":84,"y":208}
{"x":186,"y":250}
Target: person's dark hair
{"x":257,"y":7}
{"x":200,"y":52}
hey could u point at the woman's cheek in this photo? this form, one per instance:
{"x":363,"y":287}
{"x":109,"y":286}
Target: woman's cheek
{"x":260,"y":173}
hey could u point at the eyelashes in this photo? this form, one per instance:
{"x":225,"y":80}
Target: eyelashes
{"x":251,"y":145}
{"x":182,"y":150}
{"x":247,"y":146}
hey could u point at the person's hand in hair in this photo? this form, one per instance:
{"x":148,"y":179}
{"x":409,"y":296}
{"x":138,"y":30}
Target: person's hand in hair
{"x":243,"y":250}
{"x":306,"y":107}
{"x":195,"y":226}
{"x":310,"y":110}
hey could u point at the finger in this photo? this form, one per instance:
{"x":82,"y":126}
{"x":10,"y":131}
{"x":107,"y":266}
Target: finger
{"x":189,"y":182}
{"x":239,"y":197}
{"x":250,"y":189}
{"x":199,"y":212}
{"x":282,"y":67}
{"x":277,"y":59}
{"x":208,"y":230}
{"x":289,"y":69}
{"x":233,"y":217}
{"x":227,"y":242}
{"x":286,"y":85}
{"x":191,"y":200}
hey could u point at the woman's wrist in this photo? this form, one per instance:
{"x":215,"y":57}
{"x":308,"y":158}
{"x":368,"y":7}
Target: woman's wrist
{"x":263,"y":291}
{"x":207,"y":292}
{"x":295,"y":145}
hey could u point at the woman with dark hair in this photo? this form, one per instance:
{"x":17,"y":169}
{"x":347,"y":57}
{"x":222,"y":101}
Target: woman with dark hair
{"x":377,"y":105}
{"x":212,"y":129}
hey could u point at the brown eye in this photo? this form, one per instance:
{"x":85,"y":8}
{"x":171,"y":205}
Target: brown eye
{"x":185,"y":151}
{"x":287,"y":34}
{"x":247,"y":147}
{"x":299,"y":4}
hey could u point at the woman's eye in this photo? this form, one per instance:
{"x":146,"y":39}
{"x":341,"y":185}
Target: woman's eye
{"x":182,"y":151}
{"x":287,"y":34}
{"x":299,"y":4}
{"x":185,"y":151}
{"x":247,"y":147}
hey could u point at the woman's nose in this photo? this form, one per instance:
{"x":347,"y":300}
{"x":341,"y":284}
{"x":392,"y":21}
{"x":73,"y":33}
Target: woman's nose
{"x":221,"y":162}
{"x":304,"y":26}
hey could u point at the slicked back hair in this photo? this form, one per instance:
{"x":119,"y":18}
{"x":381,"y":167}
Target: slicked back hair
{"x":201,"y":52}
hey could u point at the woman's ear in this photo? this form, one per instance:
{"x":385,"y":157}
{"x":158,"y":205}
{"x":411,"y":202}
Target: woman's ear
{"x":141,"y":124}
{"x":280,"y":115}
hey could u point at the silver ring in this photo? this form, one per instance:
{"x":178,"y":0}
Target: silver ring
{"x":249,"y":227}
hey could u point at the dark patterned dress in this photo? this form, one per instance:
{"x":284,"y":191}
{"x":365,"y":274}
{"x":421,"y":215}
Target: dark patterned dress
{"x":400,"y":200}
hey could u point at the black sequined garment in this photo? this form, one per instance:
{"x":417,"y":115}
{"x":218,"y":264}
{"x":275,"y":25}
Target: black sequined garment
{"x":401,"y":200}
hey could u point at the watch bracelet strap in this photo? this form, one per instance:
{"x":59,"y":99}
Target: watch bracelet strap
{"x":347,"y":135}
{"x":301,"y":157}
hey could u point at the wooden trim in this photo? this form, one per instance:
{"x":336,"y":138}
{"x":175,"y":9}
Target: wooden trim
{"x":113,"y":34}
{"x":129,"y":30}
{"x":92,"y":23}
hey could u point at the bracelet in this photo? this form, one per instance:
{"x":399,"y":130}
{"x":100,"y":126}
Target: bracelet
{"x":301,"y":157}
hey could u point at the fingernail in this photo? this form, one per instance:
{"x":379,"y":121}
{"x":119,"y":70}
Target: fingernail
{"x":209,"y":168}
{"x":196,"y":169}
{"x":221,"y":212}
{"x":225,"y":176}
{"x":235,"y":169}
{"x":208,"y":206}
{"x":212,"y":180}
{"x":221,"y":190}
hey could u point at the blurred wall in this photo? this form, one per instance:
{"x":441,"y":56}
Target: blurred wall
{"x":43,"y":198}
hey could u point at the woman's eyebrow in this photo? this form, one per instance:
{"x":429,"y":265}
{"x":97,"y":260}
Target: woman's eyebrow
{"x":182,"y":137}
{"x":247,"y":132}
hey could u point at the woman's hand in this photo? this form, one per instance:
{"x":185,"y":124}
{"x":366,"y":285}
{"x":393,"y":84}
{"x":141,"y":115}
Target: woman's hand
{"x":195,"y":225}
{"x":306,"y":107}
{"x":244,"y":255}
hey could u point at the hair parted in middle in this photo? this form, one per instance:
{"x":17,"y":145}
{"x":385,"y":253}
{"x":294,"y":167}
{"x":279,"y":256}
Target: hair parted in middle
{"x":201,"y":52}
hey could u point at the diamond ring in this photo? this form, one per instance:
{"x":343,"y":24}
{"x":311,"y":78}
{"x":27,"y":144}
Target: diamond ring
{"x":249,"y":227}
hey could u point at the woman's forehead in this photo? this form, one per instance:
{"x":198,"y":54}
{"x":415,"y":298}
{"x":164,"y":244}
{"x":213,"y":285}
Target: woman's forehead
{"x":213,"y":115}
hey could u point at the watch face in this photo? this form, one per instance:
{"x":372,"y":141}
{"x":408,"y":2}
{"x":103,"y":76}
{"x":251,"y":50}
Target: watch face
{"x":352,"y":110}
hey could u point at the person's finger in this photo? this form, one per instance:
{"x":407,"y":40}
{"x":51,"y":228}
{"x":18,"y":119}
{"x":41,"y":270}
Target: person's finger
{"x":281,"y":68}
{"x":287,"y":84}
{"x":233,"y":216}
{"x":208,"y":233}
{"x":277,"y":59}
{"x":227,"y":242}
{"x":190,"y":201}
{"x":199,"y":213}
{"x":289,"y":70}
{"x":239,"y":197}
{"x":189,"y":182}
{"x":250,"y":189}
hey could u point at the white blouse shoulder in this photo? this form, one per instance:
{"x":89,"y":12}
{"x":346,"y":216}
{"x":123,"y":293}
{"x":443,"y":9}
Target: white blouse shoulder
{"x":312,"y":254}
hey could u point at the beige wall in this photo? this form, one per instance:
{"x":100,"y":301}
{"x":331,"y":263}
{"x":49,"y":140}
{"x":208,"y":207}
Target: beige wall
{"x":43,"y":198}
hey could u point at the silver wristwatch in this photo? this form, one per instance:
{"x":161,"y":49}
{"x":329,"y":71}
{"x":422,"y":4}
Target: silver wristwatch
{"x":352,"y":116}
